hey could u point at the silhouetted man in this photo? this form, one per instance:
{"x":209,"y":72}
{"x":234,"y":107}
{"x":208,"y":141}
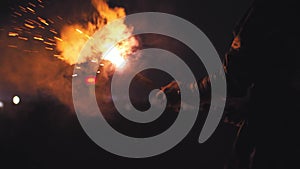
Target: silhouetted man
{"x":269,"y":58}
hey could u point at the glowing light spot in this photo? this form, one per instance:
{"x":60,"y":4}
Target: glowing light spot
{"x":49,"y":43}
{"x":1,"y":104}
{"x":59,"y":17}
{"x":31,"y":10}
{"x":51,"y":21}
{"x":13,"y":34}
{"x":94,"y":60}
{"x":33,"y":5}
{"x":43,"y":21}
{"x":57,"y":38}
{"x":79,"y":31}
{"x":17,"y":13}
{"x":115,"y":57}
{"x":53,"y":31}
{"x":22,"y":38}
{"x":38,"y":38}
{"x":16,"y":99}
{"x":90,"y":80}
{"x":29,"y":26}
{"x":12,"y":46}
{"x":47,"y":48}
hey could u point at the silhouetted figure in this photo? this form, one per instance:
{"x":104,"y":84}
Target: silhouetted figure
{"x":269,"y":58}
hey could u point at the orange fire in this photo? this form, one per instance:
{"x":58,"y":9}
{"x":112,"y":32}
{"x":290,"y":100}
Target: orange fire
{"x":74,"y":37}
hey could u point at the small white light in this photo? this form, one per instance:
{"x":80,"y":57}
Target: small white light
{"x":16,"y":100}
{"x":1,"y":104}
{"x":94,"y":60}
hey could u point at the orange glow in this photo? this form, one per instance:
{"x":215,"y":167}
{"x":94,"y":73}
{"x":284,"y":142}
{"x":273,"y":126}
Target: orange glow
{"x":58,"y":56}
{"x":76,"y":36}
{"x":53,"y":31}
{"x":59,"y":17}
{"x":17,"y":13}
{"x":38,"y":38}
{"x":52,"y":40}
{"x":29,"y":21}
{"x":115,"y":57}
{"x":12,"y":46}
{"x":79,"y":31}
{"x":43,"y":21}
{"x":50,"y":21}
{"x":29,"y":26}
{"x":91,"y":80}
{"x":31,"y":10}
{"x":23,"y":9}
{"x":236,"y":44}
{"x":18,"y":29}
{"x":48,"y":48}
{"x":33,"y":5}
{"x":49,"y":43}
{"x":23,"y":38}
{"x":57,"y":38}
{"x":12,"y":34}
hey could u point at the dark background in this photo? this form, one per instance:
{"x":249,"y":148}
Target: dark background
{"x":43,"y":132}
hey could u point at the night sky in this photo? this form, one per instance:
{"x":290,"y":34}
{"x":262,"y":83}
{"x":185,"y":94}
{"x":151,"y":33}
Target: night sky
{"x":42,"y":131}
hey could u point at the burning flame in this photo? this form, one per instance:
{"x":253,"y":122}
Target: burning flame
{"x":114,"y":56}
{"x":74,"y":37}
